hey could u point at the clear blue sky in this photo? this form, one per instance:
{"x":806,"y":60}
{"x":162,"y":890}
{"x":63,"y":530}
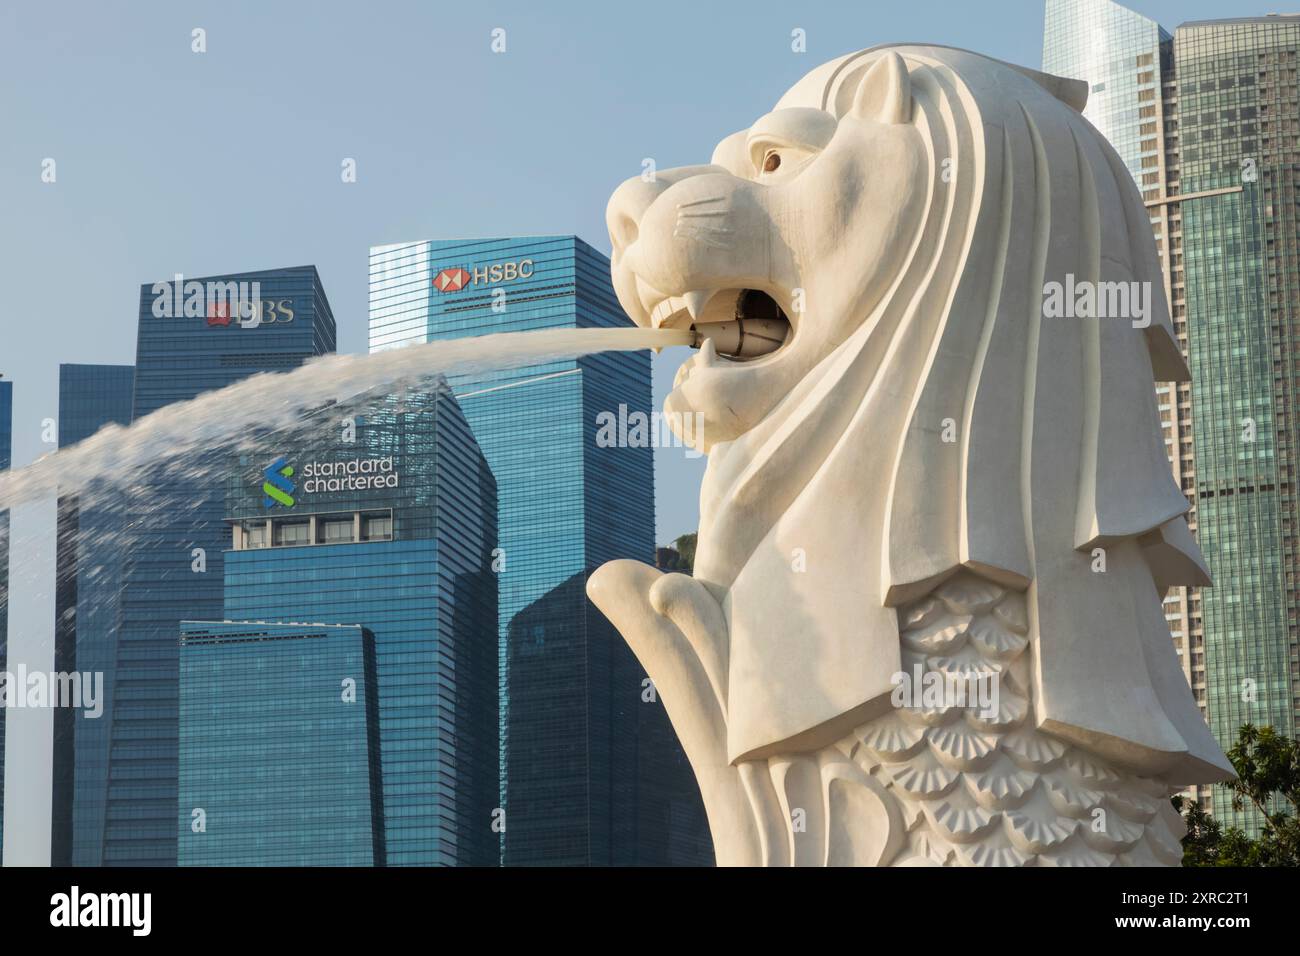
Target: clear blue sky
{"x":170,"y":161}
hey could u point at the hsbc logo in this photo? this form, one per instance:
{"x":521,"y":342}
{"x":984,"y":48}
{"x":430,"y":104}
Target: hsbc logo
{"x":451,"y":280}
{"x":455,"y":278}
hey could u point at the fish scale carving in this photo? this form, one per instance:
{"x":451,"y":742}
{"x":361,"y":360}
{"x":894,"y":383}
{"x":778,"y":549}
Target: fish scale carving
{"x":969,"y":787}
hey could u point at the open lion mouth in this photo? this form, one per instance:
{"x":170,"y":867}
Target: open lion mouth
{"x":742,"y":324}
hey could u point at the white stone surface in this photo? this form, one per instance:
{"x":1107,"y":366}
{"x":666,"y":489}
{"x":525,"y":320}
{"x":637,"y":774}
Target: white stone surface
{"x":926,"y":446}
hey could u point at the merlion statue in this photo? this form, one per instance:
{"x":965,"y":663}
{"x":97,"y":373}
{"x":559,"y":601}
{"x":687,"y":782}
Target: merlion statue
{"x":918,"y":477}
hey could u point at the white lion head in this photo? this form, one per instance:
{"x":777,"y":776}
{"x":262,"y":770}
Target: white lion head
{"x":816,"y":209}
{"x":896,"y":220}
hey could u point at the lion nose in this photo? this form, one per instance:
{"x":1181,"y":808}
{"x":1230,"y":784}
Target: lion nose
{"x":631,"y":200}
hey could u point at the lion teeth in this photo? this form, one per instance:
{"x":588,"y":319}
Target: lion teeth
{"x":696,"y":301}
{"x":708,"y":354}
{"x":691,"y":303}
{"x":667,"y":309}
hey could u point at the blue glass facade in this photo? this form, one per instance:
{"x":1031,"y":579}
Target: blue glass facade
{"x":89,"y":563}
{"x":577,"y":738}
{"x":279,"y":746}
{"x":174,"y":558}
{"x":6,"y":423}
{"x":1239,"y":167}
{"x":92,"y":396}
{"x":6,"y":452}
{"x":393,"y":529}
{"x":1205,"y":121}
{"x":1121,"y":55}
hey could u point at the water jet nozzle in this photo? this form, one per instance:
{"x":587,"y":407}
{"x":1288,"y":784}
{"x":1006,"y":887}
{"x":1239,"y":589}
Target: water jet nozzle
{"x":757,"y":326}
{"x":743,"y":338}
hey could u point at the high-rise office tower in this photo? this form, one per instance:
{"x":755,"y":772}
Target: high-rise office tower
{"x":6,"y":451}
{"x":1218,"y":145}
{"x":89,"y":577}
{"x":380,"y":515}
{"x":1239,"y":155}
{"x":1127,"y":61}
{"x":194,"y":335}
{"x":577,"y":720}
{"x":279,"y":746}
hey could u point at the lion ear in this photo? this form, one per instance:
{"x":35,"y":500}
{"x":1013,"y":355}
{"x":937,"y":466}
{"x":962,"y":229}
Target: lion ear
{"x":885,"y":92}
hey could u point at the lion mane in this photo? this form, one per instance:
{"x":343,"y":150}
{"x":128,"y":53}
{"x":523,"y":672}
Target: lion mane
{"x":957,"y":433}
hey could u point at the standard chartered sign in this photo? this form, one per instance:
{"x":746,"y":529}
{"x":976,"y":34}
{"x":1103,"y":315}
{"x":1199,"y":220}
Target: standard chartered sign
{"x":363,"y":474}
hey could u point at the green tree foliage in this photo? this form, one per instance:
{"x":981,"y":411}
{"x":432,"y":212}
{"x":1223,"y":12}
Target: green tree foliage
{"x":1268,"y":778}
{"x":685,"y":546}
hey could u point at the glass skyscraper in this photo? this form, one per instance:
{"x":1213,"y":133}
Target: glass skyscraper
{"x":279,"y":746}
{"x":1120,"y":54}
{"x":380,"y":514}
{"x":1216,"y":128}
{"x":177,"y":535}
{"x":89,"y":578}
{"x":576,"y":732}
{"x":6,"y":452}
{"x":1239,"y":130}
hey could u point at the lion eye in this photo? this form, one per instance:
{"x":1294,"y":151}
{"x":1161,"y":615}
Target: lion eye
{"x":772,"y":163}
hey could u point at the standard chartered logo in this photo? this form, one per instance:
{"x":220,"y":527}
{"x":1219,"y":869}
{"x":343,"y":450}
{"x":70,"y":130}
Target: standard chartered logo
{"x":360,"y":474}
{"x":325,"y":477}
{"x":277,"y":486}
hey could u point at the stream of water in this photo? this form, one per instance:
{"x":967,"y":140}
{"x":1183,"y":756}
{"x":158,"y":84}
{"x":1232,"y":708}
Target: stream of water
{"x":115,"y":456}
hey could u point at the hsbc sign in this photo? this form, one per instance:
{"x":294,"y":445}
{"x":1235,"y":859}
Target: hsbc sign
{"x":455,"y":278}
{"x":451,"y":280}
